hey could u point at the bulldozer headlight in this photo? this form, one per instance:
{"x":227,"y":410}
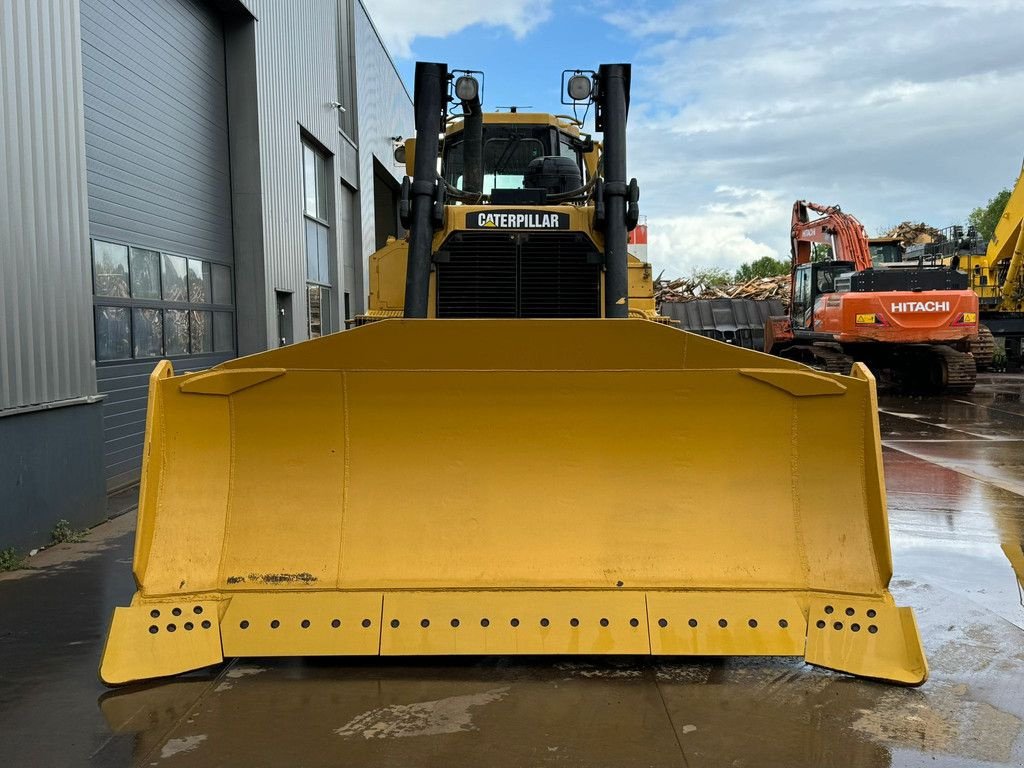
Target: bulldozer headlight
{"x":580,"y":87}
{"x":467,"y":88}
{"x":866,"y":319}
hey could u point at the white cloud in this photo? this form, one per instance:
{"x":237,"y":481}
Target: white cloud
{"x":737,"y":225}
{"x":866,"y":103}
{"x":400,"y":21}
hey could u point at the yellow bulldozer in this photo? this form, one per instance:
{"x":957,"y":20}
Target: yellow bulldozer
{"x":509,"y":453}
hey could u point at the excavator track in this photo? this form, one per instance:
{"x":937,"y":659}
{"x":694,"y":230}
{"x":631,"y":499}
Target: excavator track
{"x":824,"y":357}
{"x":984,"y":349}
{"x":960,"y":369}
{"x":935,"y":369}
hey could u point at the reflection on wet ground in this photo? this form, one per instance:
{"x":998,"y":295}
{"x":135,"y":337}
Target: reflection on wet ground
{"x":955,"y":474}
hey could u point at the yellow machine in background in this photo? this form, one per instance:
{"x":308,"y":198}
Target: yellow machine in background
{"x":469,"y":470}
{"x":996,"y":272}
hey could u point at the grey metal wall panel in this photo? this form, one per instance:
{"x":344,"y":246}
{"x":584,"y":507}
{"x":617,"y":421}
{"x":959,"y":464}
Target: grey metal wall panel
{"x":156,"y":125}
{"x":156,"y":135}
{"x":296,"y":73}
{"x":384,"y":111}
{"x":51,"y":470}
{"x":734,"y":321}
{"x":46,"y":346}
{"x":126,"y":386}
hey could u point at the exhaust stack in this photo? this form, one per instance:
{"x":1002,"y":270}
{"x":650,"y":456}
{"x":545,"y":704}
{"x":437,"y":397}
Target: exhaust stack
{"x":612,"y":101}
{"x":430,"y":97}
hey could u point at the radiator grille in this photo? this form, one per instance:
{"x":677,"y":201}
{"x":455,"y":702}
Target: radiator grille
{"x":502,"y":274}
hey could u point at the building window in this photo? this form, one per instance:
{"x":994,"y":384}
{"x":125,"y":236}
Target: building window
{"x":175,"y":280}
{"x":145,"y":274}
{"x":316,"y":209}
{"x":147,"y":332}
{"x":113,"y":333}
{"x":150,"y":304}
{"x":176,"y":334}
{"x":110,"y":270}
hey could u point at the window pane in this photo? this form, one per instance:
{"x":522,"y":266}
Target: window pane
{"x":148,"y":332}
{"x":175,"y":287}
{"x":321,"y":186}
{"x":309,"y":179}
{"x":221,"y":284}
{"x":325,"y":311}
{"x":175,"y":332}
{"x":202,"y":332}
{"x":312,"y":260}
{"x":313,"y":310}
{"x":323,"y":252}
{"x":110,"y":269}
{"x":199,"y":281}
{"x":113,"y":333}
{"x":223,"y":332}
{"x":145,"y":274}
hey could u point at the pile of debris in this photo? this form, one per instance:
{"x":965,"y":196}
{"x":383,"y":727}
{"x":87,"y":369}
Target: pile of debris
{"x":910,"y":233}
{"x":690,"y":289}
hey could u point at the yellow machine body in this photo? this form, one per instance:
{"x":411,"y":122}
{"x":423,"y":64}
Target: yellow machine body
{"x":414,"y":487}
{"x":497,"y":486}
{"x":997,"y":276}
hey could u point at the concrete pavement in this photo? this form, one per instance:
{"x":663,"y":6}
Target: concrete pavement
{"x":955,"y":478}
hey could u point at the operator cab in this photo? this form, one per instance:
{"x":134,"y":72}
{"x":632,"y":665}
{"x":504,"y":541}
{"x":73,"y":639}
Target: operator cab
{"x":814,"y":280}
{"x":886,"y":250}
{"x":523,"y":162}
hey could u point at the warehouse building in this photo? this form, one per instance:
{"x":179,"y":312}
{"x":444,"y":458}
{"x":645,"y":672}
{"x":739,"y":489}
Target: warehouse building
{"x":181,"y":179}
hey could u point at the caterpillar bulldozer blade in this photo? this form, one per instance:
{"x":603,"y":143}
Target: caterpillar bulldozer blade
{"x":416,"y":487}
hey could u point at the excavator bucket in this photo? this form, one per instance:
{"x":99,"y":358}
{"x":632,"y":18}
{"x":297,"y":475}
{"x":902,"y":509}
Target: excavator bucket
{"x":416,"y":487}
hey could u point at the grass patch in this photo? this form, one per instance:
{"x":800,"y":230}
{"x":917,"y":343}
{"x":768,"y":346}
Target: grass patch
{"x":63,"y":533}
{"x":10,"y":560}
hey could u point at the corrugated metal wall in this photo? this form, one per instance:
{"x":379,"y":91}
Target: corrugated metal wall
{"x":156,"y":126}
{"x":297,"y":81}
{"x":46,"y":346}
{"x":384,"y":111}
{"x":156,"y":133}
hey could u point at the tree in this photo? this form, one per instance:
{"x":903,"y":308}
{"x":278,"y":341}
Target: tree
{"x":821,"y":252}
{"x":985,"y":218}
{"x":766,"y":266}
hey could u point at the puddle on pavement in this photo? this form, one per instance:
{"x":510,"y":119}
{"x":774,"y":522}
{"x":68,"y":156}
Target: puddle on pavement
{"x":424,"y":718}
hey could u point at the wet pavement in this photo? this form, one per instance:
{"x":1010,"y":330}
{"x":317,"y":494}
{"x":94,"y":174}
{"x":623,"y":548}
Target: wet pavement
{"x":955,"y":476}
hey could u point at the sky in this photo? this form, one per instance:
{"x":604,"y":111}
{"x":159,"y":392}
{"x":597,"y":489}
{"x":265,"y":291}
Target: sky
{"x":894,"y":109}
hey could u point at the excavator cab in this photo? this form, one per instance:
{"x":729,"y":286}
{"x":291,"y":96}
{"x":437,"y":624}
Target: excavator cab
{"x":812,"y":281}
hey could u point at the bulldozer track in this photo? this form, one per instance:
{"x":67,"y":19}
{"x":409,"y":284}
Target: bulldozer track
{"x":983,"y":350}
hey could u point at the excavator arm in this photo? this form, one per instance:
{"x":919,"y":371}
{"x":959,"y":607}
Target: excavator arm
{"x":841,"y":231}
{"x":1007,"y":244}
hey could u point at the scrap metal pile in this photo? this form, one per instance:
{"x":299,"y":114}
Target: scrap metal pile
{"x":690,"y":289}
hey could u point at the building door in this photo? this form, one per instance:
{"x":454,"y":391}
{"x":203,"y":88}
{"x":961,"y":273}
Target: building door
{"x":159,"y":203}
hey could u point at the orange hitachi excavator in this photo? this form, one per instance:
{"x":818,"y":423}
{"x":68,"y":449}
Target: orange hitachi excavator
{"x":909,"y":322}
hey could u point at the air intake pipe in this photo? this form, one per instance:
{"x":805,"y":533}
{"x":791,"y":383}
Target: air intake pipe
{"x":473,"y":142}
{"x":430,"y":94}
{"x":620,"y":197}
